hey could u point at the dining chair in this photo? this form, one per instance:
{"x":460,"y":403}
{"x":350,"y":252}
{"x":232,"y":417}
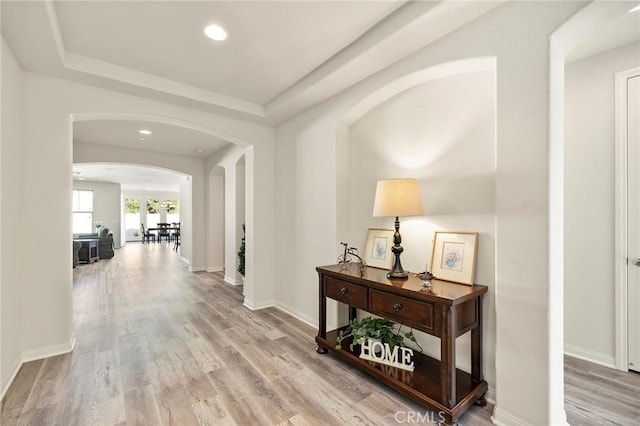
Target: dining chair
{"x":147,"y":235}
{"x":163,"y":231}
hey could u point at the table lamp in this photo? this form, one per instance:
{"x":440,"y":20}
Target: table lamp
{"x":397,"y":197}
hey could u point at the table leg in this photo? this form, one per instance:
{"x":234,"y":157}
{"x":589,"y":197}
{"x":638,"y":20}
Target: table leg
{"x":322,"y":326}
{"x":476,"y":352}
{"x":448,"y":356}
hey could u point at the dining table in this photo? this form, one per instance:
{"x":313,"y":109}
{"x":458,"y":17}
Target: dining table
{"x":170,"y":228}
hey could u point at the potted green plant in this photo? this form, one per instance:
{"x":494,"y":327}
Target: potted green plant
{"x":373,"y":328}
{"x":241,"y":252}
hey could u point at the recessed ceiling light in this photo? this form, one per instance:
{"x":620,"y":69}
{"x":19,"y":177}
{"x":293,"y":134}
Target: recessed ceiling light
{"x":144,"y":132}
{"x":215,"y":32}
{"x":199,"y":150}
{"x":635,"y":9}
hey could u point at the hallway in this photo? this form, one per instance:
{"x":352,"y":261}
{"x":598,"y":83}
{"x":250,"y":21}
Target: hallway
{"x":158,"y":345}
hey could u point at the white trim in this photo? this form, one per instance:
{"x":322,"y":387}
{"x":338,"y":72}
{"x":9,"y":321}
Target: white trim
{"x":491,"y":396}
{"x":299,"y":315}
{"x":36,"y":354}
{"x":184,"y":259}
{"x":49,"y":351}
{"x":231,"y":281}
{"x":503,"y":418}
{"x":12,"y":377}
{"x":620,"y":257}
{"x":196,"y":268}
{"x":590,"y":356}
{"x":255,"y":307}
{"x":215,"y":269}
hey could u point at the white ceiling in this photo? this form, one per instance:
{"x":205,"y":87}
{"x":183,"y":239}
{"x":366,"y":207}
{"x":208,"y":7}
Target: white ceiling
{"x":271,"y":44}
{"x":281,"y":57}
{"x":623,"y":30}
{"x":165,"y":138}
{"x":131,"y":178}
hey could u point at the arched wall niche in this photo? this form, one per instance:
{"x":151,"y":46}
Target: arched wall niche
{"x":462,"y":200}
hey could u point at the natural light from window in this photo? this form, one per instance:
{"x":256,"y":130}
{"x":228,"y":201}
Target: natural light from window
{"x":82,"y":211}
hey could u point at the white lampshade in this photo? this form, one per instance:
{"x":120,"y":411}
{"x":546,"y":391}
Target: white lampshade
{"x":397,"y":197}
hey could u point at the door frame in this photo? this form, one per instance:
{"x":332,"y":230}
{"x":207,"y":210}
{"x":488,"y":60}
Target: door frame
{"x":620,"y":261}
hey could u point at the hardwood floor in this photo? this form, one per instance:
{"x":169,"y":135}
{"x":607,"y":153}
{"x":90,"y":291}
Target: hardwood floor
{"x":158,"y":345}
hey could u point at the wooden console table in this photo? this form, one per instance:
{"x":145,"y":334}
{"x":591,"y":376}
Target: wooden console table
{"x":446,"y":310}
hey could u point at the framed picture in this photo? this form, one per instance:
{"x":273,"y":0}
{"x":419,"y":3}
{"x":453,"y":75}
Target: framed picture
{"x":377,"y":252}
{"x":453,"y":257}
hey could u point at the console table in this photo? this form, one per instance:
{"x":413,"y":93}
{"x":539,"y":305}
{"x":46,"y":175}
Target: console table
{"x":89,"y":251}
{"x":446,"y":310}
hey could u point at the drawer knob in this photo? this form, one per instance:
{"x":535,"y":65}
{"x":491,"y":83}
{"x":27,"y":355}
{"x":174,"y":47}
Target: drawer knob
{"x":343,"y":290}
{"x":397,"y":307}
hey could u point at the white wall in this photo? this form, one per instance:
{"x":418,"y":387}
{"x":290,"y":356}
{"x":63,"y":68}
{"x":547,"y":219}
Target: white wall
{"x":193,"y":167}
{"x":49,"y":107}
{"x":441,"y":133}
{"x":517,"y":35}
{"x":10,"y":218}
{"x":239,"y":210}
{"x":106,"y":206}
{"x":589,"y":203}
{"x":226,"y":162}
{"x":215,"y":220}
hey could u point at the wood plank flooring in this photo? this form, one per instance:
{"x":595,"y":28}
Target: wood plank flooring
{"x":158,"y":345}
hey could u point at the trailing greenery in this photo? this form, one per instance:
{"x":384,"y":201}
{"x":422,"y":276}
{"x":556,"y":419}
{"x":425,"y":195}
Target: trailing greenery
{"x":171,"y":206}
{"x":153,"y":206}
{"x":131,"y":205}
{"x":241,"y":253}
{"x":374,"y":328}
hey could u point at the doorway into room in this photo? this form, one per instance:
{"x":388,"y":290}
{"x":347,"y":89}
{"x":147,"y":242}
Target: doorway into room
{"x":627,"y":111}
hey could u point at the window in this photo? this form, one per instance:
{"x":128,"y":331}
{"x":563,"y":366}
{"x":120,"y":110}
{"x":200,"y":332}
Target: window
{"x":132,"y":219}
{"x":82,"y":211}
{"x":153,"y":213}
{"x":171,"y":209}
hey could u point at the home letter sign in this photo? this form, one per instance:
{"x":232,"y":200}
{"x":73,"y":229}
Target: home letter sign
{"x":376,"y":351}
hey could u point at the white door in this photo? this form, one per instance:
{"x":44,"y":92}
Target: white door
{"x":633,"y":220}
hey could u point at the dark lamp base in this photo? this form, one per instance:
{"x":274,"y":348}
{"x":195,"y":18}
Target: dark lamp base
{"x":398,"y":275}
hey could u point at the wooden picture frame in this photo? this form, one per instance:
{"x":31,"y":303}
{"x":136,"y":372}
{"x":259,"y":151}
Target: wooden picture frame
{"x":453,"y":256}
{"x":377,"y":252}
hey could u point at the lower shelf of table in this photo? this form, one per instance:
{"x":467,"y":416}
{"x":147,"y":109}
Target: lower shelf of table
{"x":423,"y":385}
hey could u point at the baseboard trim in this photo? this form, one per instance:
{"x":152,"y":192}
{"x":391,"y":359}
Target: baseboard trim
{"x":216,"y":269}
{"x":49,"y":351}
{"x":231,"y":281}
{"x":196,"y":268}
{"x":590,"y":356}
{"x":297,"y":314}
{"x":491,"y":396}
{"x":257,"y":306}
{"x":12,"y":377}
{"x":503,"y":418}
{"x":184,"y":259}
{"x":34,"y":355}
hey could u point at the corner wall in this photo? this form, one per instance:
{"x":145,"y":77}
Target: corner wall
{"x":441,"y":133}
{"x":589,"y":203}
{"x":10,"y":218}
{"x":517,"y":35}
{"x":107,"y":208}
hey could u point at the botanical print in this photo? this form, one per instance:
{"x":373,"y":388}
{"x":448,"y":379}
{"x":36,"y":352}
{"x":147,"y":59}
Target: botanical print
{"x":452,"y":254}
{"x":379,"y":250}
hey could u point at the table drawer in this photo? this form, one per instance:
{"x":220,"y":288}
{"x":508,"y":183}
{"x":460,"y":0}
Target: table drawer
{"x":352,"y":294}
{"x":403,"y":309}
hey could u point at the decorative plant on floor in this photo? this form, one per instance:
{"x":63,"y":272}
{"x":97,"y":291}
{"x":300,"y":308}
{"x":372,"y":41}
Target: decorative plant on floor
{"x":373,"y":328}
{"x":241,"y":253}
